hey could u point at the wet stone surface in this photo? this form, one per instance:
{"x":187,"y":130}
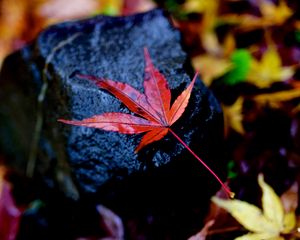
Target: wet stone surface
{"x":162,"y":191}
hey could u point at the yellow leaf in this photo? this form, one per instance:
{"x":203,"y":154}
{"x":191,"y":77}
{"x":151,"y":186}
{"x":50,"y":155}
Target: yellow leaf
{"x":271,"y":204}
{"x":211,"y":67}
{"x":209,"y":11}
{"x":210,"y":42}
{"x":272,"y":14}
{"x":289,"y":222}
{"x":12,"y":24}
{"x":258,"y":236}
{"x":229,"y":45}
{"x":274,"y":99}
{"x":275,"y":14}
{"x":111,"y":7}
{"x":264,"y":224}
{"x":269,"y":70}
{"x":250,"y":216}
{"x":246,"y":22}
{"x":233,"y":116}
{"x":200,"y":6}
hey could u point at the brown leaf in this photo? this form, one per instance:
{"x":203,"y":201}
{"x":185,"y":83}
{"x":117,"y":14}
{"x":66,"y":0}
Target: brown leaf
{"x":203,"y":233}
{"x":10,"y":214}
{"x":137,"y":6}
{"x":112,"y":223}
{"x":289,"y":198}
{"x":62,"y":10}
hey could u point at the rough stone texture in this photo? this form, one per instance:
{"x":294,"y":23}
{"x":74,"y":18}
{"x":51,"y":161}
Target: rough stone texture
{"x":161,"y":191}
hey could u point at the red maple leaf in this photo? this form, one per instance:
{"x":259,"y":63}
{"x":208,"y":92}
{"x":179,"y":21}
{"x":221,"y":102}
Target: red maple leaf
{"x":154,"y":110}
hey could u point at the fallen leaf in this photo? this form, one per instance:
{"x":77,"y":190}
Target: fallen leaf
{"x":110,"y":7}
{"x":137,"y":6}
{"x":289,"y":198}
{"x":233,"y":116}
{"x":22,"y":20}
{"x":271,"y":204}
{"x":241,"y":60}
{"x":10,"y":214}
{"x":258,"y":236}
{"x":232,"y":173}
{"x":244,"y":22}
{"x":217,"y":221}
{"x":203,"y":233}
{"x":289,"y":201}
{"x":12,"y":25}
{"x":199,"y":6}
{"x":211,"y":67}
{"x":274,"y":99}
{"x":111,"y":222}
{"x":61,"y":10}
{"x":210,"y":40}
{"x":266,"y":223}
{"x":154,"y":110}
{"x":297,"y":35}
{"x":229,"y":45}
{"x":274,"y":14}
{"x":269,"y":69}
{"x":209,"y":11}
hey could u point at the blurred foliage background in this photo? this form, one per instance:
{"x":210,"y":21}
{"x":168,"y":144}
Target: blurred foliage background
{"x":246,"y":51}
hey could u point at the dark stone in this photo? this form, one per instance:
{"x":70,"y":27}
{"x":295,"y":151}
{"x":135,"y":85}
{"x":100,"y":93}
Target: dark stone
{"x":161,"y":192}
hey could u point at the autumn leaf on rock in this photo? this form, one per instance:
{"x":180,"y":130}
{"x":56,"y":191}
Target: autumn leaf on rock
{"x":153,"y":111}
{"x":154,"y":107}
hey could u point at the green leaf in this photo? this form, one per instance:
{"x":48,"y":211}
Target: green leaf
{"x":297,"y":35}
{"x":230,"y":168}
{"x":174,"y":7}
{"x":241,"y":60}
{"x":111,"y":11}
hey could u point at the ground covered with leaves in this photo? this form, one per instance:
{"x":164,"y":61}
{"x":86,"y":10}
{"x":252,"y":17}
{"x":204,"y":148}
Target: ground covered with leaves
{"x":247,"y":52}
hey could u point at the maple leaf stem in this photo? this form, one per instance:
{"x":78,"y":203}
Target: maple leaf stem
{"x":227,"y":189}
